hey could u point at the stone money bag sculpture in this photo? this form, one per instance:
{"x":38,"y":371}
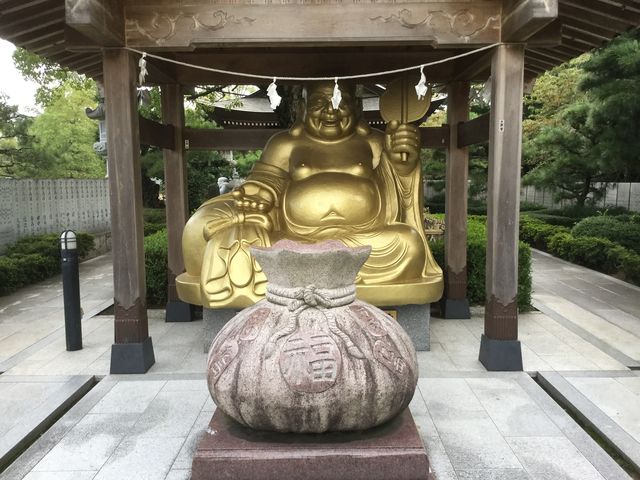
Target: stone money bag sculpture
{"x":310,"y":358}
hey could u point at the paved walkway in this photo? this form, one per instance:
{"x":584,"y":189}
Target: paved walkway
{"x":598,"y":307}
{"x":33,"y":316}
{"x":475,"y":424}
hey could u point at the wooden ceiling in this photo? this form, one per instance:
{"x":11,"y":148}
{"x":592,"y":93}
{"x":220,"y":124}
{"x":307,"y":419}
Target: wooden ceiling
{"x":39,"y":26}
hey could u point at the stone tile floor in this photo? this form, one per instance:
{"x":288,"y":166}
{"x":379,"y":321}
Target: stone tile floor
{"x":475,"y":424}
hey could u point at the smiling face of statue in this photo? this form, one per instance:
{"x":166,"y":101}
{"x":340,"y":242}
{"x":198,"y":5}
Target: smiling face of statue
{"x":322,"y":120}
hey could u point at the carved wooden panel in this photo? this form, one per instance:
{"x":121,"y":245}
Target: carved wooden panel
{"x":163,"y":24}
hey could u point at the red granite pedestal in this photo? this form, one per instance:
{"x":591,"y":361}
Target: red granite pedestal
{"x":393,"y":451}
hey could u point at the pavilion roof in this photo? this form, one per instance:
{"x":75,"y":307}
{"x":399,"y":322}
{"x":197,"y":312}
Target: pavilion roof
{"x":39,"y":26}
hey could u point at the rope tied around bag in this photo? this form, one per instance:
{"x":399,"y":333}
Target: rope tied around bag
{"x":297,"y":300}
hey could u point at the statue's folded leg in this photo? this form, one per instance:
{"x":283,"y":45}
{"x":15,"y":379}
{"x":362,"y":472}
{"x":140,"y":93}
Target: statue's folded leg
{"x":220,"y":271}
{"x":397,"y":255}
{"x":230,"y":275}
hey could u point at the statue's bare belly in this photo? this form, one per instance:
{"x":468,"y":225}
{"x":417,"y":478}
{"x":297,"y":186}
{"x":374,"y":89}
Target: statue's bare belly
{"x":332,"y":199}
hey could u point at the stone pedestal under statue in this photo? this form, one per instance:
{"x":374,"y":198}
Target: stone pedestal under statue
{"x":393,"y":450}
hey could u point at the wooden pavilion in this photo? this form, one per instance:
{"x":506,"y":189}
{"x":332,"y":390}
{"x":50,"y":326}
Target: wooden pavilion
{"x":311,"y":38}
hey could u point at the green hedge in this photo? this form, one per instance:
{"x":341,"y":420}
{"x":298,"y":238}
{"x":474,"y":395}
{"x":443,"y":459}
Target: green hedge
{"x":592,"y":252}
{"x":476,"y":263}
{"x":154,"y":215}
{"x":32,"y":259}
{"x":155,"y":247}
{"x":155,"y":259}
{"x":537,"y":233}
{"x":552,"y":219}
{"x":619,"y":229}
{"x":584,"y":212}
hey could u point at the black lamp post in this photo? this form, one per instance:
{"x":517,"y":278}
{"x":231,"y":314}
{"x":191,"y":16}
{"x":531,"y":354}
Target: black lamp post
{"x":71,"y":290}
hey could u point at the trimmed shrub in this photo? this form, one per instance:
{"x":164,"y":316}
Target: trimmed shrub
{"x":155,"y":262}
{"x":552,"y":219}
{"x":476,"y":263}
{"x":49,"y":245}
{"x":530,"y":207}
{"x":586,"y":211}
{"x":537,"y":233}
{"x":617,"y":229}
{"x":33,"y":259}
{"x":154,"y":215}
{"x":597,"y":253}
{"x":151,"y":228}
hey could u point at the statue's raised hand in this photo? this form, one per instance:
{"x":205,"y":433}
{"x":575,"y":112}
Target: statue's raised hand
{"x":402,"y":145}
{"x":252,"y":198}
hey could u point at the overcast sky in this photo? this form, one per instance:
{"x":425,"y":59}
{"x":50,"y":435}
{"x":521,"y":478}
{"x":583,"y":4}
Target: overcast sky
{"x":19,"y":91}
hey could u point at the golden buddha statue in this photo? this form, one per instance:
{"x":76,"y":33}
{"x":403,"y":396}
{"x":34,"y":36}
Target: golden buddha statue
{"x":330,"y":176}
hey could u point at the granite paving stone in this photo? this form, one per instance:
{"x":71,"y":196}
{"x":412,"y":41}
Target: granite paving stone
{"x":494,"y":474}
{"x":141,"y":458}
{"x":511,"y":409}
{"x":185,"y":456}
{"x":553,"y":457}
{"x":171,"y":414}
{"x":132,"y":397}
{"x":614,"y":399}
{"x":89,"y":444}
{"x":77,"y":475}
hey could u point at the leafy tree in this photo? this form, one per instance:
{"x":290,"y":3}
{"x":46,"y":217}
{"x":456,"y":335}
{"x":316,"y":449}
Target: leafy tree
{"x":52,"y":79}
{"x":554,"y":91}
{"x":65,"y":135}
{"x":16,"y":150}
{"x":245,"y":161}
{"x":612,"y":79}
{"x":568,"y":156}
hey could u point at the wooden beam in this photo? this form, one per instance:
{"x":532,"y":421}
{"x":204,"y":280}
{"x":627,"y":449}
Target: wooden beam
{"x":188,"y":25}
{"x":132,"y":351}
{"x":256,"y":138}
{"x":593,"y":18}
{"x":100,"y":20}
{"x":549,"y":36}
{"x":475,"y":68}
{"x":524,"y":18}
{"x":156,"y":134}
{"x":474,"y":131}
{"x":500,"y":348}
{"x":307,"y":63}
{"x":455,"y":303}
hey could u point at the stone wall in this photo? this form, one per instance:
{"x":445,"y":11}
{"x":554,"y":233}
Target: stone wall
{"x":625,"y":195}
{"x":34,"y":207}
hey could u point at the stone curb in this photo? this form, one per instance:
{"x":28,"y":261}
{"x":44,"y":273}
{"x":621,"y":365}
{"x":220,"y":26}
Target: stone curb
{"x":33,"y":424}
{"x":585,"y":335}
{"x":615,"y":436}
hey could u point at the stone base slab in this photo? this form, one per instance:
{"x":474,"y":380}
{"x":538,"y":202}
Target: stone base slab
{"x":500,"y":355}
{"x":415,"y":320}
{"x":391,"y":451}
{"x":455,"y":309}
{"x":132,"y":357}
{"x":179,"y":311}
{"x":213,"y":321}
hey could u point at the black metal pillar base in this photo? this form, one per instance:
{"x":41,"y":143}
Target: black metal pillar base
{"x":500,"y":355}
{"x":132,"y":357}
{"x":455,"y":309}
{"x":179,"y":311}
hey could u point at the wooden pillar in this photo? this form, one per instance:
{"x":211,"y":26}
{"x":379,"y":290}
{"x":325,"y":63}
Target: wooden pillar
{"x":500,"y":349}
{"x":175,"y":178}
{"x":454,"y":303}
{"x":132,"y":351}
